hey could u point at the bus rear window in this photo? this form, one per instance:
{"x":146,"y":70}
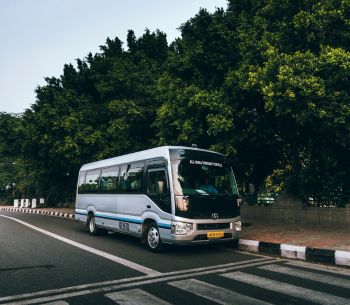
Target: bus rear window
{"x":81,"y":181}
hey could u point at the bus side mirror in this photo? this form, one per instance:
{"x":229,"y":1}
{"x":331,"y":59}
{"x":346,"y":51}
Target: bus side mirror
{"x":239,"y":201}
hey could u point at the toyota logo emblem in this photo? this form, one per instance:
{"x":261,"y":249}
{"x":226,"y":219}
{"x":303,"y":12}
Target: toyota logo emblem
{"x":215,"y":216}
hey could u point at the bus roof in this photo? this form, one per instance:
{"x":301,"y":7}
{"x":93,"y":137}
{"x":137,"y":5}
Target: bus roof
{"x":162,"y":151}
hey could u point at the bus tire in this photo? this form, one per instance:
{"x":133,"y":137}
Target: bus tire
{"x":91,"y":224}
{"x":153,"y":240}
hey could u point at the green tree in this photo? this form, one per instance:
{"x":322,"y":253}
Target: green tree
{"x":101,"y":108}
{"x":264,"y":82}
{"x":308,"y":93}
{"x":10,"y":148}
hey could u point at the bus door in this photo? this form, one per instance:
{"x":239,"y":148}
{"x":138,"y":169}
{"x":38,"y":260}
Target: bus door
{"x":157,"y":185}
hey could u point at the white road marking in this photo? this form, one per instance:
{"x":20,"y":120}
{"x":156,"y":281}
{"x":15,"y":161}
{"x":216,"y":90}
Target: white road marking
{"x":120,"y":284}
{"x":330,"y":269}
{"x":57,"y":303}
{"x":321,"y":278}
{"x":253,"y":254}
{"x":114,"y":282}
{"x":214,"y":293}
{"x":66,"y":289}
{"x":111,"y":257}
{"x":135,"y":297}
{"x":287,"y":289}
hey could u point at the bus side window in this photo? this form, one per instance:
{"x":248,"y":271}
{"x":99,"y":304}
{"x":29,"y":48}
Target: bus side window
{"x":123,"y":179}
{"x":109,"y":180}
{"x":157,"y":182}
{"x":92,"y":181}
{"x":81,"y":182}
{"x":131,"y":178}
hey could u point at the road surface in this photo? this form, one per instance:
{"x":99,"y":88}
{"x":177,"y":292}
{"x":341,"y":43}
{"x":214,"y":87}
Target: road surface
{"x":49,"y":260}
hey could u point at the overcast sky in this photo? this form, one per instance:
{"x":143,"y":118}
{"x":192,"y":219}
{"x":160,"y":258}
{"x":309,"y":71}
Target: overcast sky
{"x":37,"y":37}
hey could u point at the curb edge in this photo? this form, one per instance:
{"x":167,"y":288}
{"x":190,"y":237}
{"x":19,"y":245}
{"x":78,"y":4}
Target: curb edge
{"x":315,"y":255}
{"x":33,"y":211}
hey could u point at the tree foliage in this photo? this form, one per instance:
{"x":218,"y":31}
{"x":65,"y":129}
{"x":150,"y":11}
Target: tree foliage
{"x":264,"y":82}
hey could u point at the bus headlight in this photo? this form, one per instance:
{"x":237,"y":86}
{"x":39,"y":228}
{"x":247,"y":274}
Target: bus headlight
{"x":181,"y":228}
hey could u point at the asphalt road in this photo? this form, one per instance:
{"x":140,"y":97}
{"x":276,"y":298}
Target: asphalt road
{"x":49,"y":260}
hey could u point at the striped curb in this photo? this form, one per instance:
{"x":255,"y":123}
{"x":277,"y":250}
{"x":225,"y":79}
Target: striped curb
{"x":316,"y":255}
{"x":33,"y":211}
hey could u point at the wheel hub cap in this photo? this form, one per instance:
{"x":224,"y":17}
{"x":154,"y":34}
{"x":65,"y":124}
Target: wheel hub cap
{"x":153,"y":237}
{"x":92,"y":225}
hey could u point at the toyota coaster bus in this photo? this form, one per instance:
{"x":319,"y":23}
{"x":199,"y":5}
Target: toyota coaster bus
{"x":169,"y":194}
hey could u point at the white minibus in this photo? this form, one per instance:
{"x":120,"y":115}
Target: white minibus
{"x":164,"y":195}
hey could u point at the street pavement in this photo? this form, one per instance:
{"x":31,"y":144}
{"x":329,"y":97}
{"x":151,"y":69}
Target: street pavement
{"x":51,"y":260}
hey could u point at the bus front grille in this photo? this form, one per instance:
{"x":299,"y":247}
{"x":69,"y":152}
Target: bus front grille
{"x":213,"y":226}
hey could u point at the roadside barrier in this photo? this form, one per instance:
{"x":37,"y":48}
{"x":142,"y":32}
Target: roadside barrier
{"x":43,"y":212}
{"x":27,"y":203}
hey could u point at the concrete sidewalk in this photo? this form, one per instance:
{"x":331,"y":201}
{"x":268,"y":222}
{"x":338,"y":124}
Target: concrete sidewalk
{"x":322,"y":244}
{"x":326,"y":244}
{"x":324,"y":237}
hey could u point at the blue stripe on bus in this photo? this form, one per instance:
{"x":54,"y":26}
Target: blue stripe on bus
{"x":119,"y":218}
{"x":160,"y":225}
{"x":164,"y":226}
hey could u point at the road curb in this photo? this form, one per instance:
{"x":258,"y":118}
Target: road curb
{"x":317,"y":255}
{"x":34,"y":211}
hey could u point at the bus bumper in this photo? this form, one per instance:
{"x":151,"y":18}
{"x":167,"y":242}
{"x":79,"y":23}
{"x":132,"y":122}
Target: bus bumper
{"x":205,"y":232}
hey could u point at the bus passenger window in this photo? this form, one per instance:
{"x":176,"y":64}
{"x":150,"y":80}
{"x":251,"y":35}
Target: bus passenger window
{"x":109,"y":180}
{"x":91,"y":181}
{"x":131,"y":178}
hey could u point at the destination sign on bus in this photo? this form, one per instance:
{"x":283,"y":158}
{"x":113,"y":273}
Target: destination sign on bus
{"x":197,"y":162}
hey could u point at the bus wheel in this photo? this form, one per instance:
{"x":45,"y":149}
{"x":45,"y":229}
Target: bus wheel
{"x":153,"y":238}
{"x":92,"y":225}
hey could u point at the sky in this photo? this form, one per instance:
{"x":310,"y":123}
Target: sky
{"x":37,"y":37}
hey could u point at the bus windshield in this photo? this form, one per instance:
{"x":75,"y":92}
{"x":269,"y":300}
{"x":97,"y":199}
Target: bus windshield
{"x":203,"y":178}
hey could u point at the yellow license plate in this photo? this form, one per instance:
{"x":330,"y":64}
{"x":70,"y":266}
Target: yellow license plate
{"x":218,"y":234}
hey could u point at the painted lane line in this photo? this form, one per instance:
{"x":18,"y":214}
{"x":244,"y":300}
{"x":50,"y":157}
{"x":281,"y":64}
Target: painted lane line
{"x":151,"y":280}
{"x":114,"y":282}
{"x":325,"y":279}
{"x":111,"y":257}
{"x":287,"y":289}
{"x":67,"y":289}
{"x":135,"y":297}
{"x":57,"y":303}
{"x":330,"y":269}
{"x":215,"y":293}
{"x":217,"y":267}
{"x":255,"y":254}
